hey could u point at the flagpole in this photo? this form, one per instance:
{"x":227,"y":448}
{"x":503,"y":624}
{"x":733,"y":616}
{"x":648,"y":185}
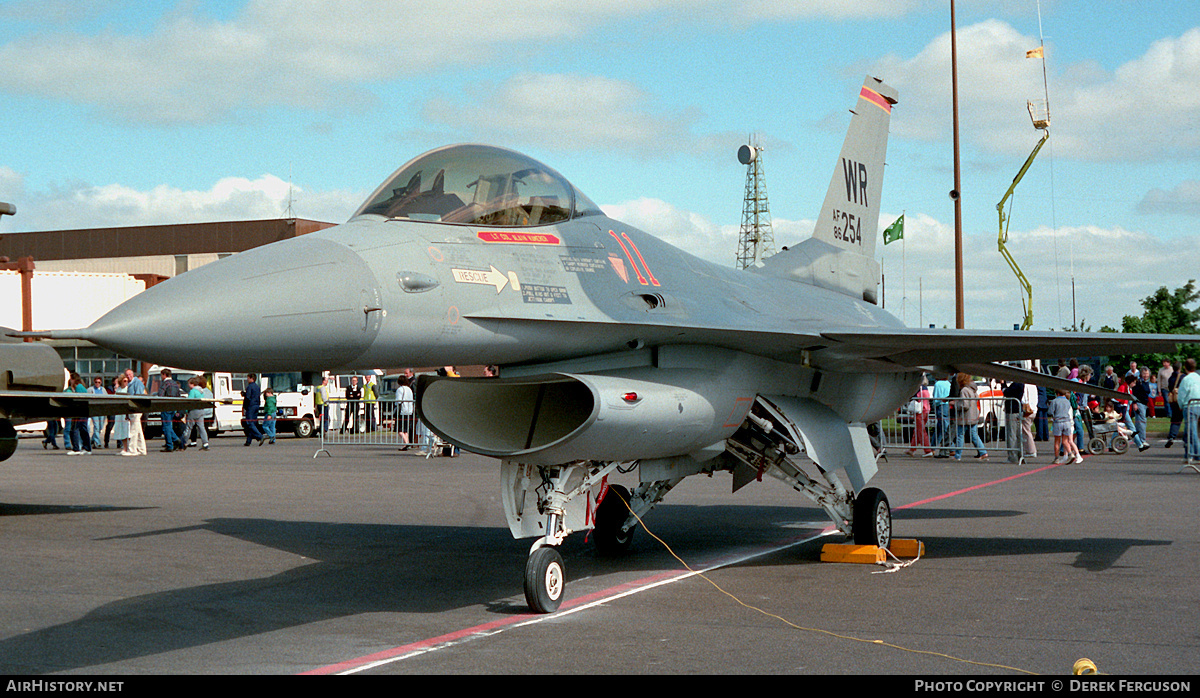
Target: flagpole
{"x":960,"y":320}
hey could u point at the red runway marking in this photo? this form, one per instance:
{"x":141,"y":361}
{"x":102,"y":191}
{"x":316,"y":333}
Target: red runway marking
{"x":612,"y":593}
{"x":977,"y":487}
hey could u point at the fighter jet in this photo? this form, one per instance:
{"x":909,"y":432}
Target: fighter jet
{"x":32,"y":380}
{"x":616,"y":349}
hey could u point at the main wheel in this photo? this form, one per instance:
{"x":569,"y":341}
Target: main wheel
{"x":610,"y":514}
{"x":872,"y":518}
{"x":1096,"y":446}
{"x":545,"y":580}
{"x":304,"y":428}
{"x":1120,"y":445}
{"x":8,"y":439}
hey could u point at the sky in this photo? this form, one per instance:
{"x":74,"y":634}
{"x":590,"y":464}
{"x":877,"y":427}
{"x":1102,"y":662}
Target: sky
{"x":135,"y":113}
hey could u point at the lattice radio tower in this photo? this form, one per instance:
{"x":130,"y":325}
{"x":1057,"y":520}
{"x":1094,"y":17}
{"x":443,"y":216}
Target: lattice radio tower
{"x":756,"y":240}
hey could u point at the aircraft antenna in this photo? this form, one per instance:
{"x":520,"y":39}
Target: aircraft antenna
{"x":756,"y":240}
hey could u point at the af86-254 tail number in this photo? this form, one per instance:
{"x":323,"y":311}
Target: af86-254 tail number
{"x":847,"y":227}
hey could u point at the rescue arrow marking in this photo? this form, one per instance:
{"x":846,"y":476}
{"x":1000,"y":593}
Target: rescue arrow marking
{"x":495,"y":277}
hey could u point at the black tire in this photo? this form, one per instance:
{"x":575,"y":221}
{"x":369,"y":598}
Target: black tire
{"x":8,"y":439}
{"x":1095,"y":446}
{"x":610,"y":514}
{"x":303,"y":429}
{"x":545,"y":580}
{"x":872,"y":518}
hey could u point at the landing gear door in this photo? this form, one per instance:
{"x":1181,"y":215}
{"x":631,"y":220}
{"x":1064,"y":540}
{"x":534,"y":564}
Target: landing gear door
{"x":829,"y":440}
{"x":522,"y":487}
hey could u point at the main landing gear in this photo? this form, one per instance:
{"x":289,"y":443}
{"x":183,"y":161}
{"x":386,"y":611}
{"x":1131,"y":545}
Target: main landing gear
{"x":549,"y":502}
{"x":769,"y":443}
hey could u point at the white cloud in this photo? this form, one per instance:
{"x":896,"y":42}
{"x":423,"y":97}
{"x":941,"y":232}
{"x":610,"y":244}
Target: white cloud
{"x":1144,"y":110}
{"x":683,"y":229}
{"x":994,"y":78}
{"x":12,"y":184}
{"x":309,"y":54}
{"x":1183,"y":200}
{"x":1113,"y":270}
{"x":80,"y":205}
{"x":695,"y":233}
{"x":571,"y":112}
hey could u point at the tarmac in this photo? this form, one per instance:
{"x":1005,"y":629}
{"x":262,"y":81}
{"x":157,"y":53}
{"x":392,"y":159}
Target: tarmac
{"x":264,"y":560}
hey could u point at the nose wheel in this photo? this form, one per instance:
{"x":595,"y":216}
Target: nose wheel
{"x":545,"y":580}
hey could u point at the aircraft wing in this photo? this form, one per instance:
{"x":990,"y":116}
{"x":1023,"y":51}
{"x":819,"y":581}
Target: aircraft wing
{"x":20,"y":406}
{"x":884,"y":350}
{"x":917,"y":347}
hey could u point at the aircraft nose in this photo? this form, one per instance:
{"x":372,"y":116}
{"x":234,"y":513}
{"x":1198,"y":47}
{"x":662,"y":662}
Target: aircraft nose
{"x":305,"y":304}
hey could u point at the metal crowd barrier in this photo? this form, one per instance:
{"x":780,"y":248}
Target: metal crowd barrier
{"x":936,"y":428}
{"x":376,"y":423}
{"x":1191,"y":426}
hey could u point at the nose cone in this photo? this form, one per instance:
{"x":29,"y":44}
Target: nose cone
{"x":305,"y":304}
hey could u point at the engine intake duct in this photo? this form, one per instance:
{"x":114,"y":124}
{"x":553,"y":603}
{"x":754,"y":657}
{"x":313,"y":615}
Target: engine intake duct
{"x":504,"y":417}
{"x":558,"y":418}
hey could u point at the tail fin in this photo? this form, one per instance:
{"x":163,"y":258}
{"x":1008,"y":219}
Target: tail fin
{"x":849,"y":217}
{"x":841,"y":253}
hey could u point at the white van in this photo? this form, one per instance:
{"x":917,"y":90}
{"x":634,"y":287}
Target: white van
{"x":293,"y":401}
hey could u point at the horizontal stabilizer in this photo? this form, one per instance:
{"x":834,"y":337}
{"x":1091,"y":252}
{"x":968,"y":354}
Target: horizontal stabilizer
{"x":1021,"y":375}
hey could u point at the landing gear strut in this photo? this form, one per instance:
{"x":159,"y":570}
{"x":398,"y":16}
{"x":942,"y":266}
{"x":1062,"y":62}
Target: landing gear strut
{"x":550,"y":502}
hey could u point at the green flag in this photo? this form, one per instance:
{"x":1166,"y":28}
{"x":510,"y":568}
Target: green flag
{"x":895,"y":231}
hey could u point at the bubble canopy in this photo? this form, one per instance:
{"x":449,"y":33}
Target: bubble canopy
{"x":477,"y":185}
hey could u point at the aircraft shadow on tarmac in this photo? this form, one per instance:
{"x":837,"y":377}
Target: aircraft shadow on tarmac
{"x":354,"y":569}
{"x":1092,"y":554}
{"x":43,"y":509}
{"x":366,"y":568}
{"x":379,"y":568}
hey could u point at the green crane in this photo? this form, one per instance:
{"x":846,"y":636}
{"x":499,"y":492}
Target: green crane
{"x":1040,"y":114}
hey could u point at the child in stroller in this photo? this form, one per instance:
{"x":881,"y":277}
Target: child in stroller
{"x":1111,"y":433}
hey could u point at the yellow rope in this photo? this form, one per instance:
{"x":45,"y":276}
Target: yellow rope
{"x":800,"y":627}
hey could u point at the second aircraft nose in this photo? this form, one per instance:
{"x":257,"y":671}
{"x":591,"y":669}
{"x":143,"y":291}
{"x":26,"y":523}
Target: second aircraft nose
{"x":299,"y":304}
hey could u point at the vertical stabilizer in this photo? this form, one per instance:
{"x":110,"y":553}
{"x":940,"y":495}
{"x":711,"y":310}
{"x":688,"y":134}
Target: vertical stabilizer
{"x":841,"y":253}
{"x":849,"y":217}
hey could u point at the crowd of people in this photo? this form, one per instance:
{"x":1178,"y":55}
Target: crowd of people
{"x":125,"y":432}
{"x":185,"y":429}
{"x":1034,"y":413}
{"x":364,"y":409}
{"x":81,"y":435}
